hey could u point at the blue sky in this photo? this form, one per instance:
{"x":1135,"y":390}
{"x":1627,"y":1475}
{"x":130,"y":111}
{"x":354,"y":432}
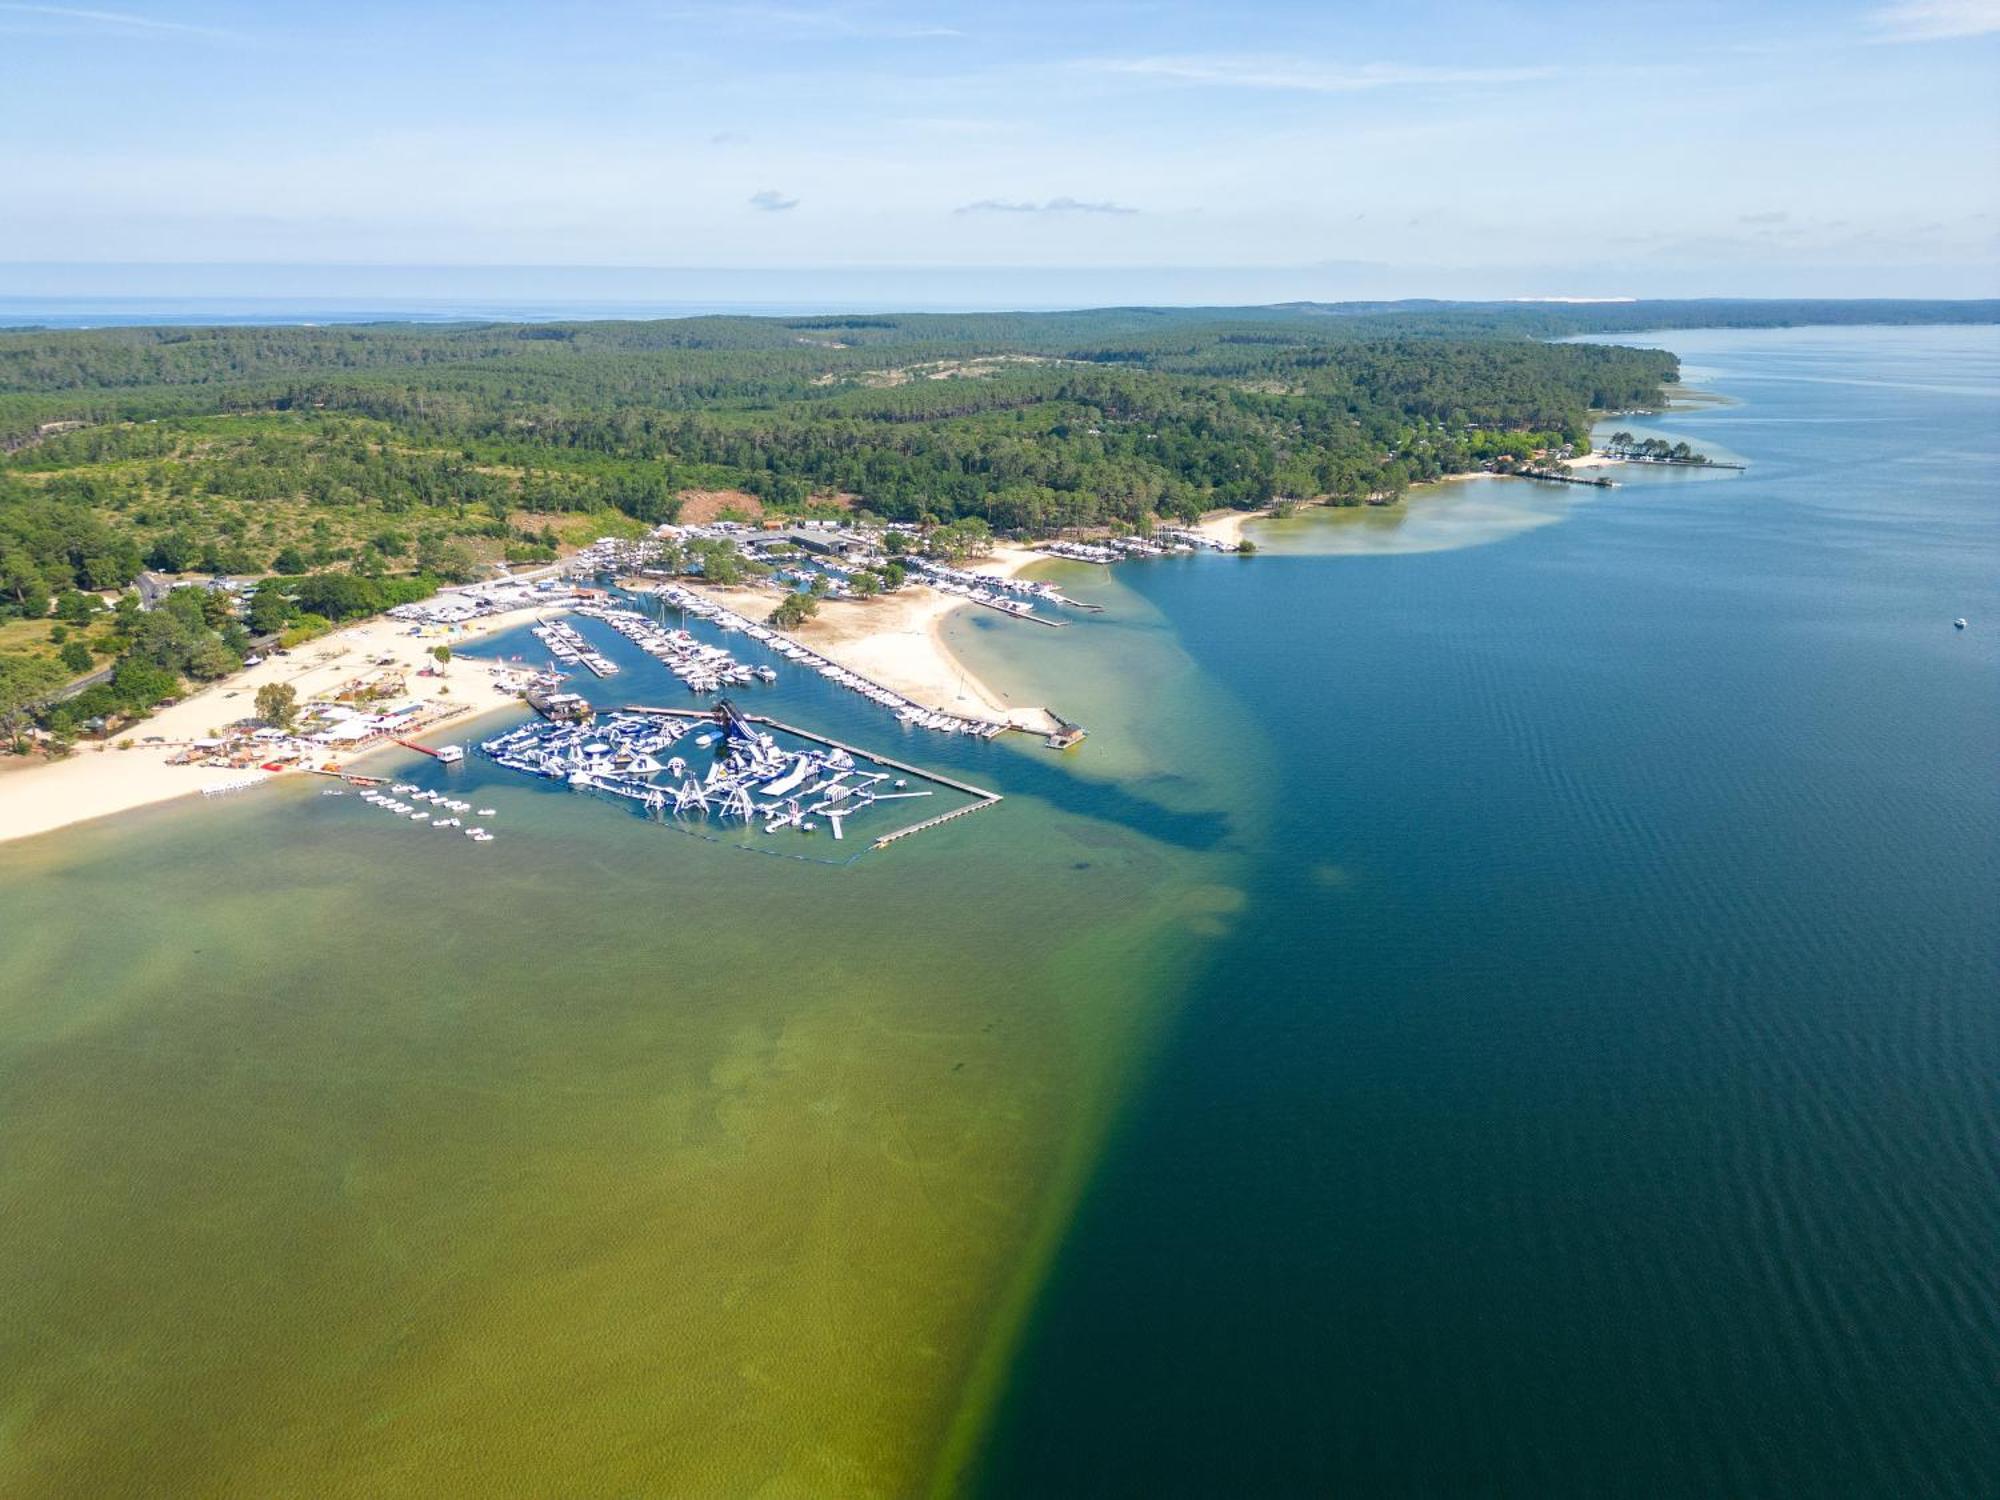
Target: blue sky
{"x":1276,"y":149}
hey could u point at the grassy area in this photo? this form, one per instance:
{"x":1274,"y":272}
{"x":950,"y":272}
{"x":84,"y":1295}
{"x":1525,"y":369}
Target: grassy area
{"x":37,"y":639}
{"x":30,"y":637}
{"x":240,"y":489}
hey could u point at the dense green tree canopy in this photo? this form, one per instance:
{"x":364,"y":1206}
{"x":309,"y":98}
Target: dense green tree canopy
{"x":365,"y":464}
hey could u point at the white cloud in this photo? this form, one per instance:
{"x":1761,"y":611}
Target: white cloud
{"x":1937,"y":20}
{"x":771,"y":201}
{"x":1279,"y":73}
{"x":1051,"y":206}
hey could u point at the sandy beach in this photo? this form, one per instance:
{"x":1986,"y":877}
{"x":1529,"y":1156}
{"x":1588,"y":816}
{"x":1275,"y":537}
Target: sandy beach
{"x":897,"y":640}
{"x":132,"y":769}
{"x":1226,"y":526}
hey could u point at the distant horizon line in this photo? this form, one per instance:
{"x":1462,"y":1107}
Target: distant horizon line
{"x":914,"y":282}
{"x":580,"y":299}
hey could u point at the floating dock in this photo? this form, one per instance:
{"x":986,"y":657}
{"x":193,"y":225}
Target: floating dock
{"x":1066,"y":736}
{"x":983,"y":796}
{"x":451,"y":755}
{"x":562,"y":708}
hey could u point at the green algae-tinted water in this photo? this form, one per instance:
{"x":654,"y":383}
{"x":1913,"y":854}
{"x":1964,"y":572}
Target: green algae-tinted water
{"x":1500,"y":1004}
{"x":343,"y":1156}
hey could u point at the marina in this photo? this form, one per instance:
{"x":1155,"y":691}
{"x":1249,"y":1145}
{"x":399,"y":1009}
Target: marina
{"x":828,"y":559}
{"x":728,"y":768}
{"x":1079,"y":551}
{"x":1166,"y":541}
{"x":1504,"y":1054}
{"x":905,"y":710}
{"x":547,"y":699}
{"x":993,"y":592}
{"x":704,"y":668}
{"x":1188,"y":537}
{"x":569,"y":647}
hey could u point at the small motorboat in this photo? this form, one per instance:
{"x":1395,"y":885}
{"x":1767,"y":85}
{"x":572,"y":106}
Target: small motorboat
{"x":1959,"y":623}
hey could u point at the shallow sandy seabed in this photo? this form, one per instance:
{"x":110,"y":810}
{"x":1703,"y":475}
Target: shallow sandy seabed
{"x":1229,"y":526}
{"x":1469,"y":510}
{"x":357,"y":1176}
{"x":628,"y":1164}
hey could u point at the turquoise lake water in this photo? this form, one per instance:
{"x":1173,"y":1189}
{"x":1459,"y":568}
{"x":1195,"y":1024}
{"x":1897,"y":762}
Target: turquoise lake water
{"x":1601,"y":1093}
{"x":1506,"y":1001}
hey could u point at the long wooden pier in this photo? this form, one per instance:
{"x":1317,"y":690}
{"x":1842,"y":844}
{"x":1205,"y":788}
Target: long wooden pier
{"x":1032,"y":619}
{"x":1549,"y":476}
{"x":902,"y":833}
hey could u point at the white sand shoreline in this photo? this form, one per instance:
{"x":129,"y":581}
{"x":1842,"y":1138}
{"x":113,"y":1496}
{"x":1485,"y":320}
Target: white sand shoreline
{"x":103,"y":779}
{"x":1226,"y":526}
{"x":897,"y":640}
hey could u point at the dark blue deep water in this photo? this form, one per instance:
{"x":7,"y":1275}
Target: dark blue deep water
{"x":1600,"y":1091}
